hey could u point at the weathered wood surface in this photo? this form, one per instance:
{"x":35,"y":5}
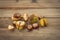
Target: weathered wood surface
{"x":51,"y":32}
{"x":48,"y":8}
{"x":39,"y":12}
{"x":29,"y":3}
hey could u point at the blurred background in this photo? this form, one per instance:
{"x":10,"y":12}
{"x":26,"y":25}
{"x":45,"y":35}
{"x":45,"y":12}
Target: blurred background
{"x":48,"y":8}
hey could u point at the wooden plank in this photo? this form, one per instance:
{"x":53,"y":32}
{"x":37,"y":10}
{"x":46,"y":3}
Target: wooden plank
{"x":28,"y":3}
{"x":39,"y":12}
{"x":15,"y":8}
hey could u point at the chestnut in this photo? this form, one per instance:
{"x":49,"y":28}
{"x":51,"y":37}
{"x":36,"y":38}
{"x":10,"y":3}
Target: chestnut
{"x":29,"y":27}
{"x":35,"y":25}
{"x":16,"y":16}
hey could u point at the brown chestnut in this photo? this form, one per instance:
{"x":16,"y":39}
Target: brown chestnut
{"x":29,"y":27}
{"x":35,"y":25}
{"x":16,"y":16}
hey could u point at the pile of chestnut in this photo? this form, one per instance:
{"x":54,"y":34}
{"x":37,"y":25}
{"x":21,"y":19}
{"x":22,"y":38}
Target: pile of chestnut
{"x":24,"y":21}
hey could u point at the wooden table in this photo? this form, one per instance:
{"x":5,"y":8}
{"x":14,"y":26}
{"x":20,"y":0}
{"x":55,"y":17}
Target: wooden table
{"x":51,"y":32}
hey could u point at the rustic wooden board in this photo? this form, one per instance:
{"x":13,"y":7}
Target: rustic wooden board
{"x":29,"y":3}
{"x":48,"y":8}
{"x":39,"y":12}
{"x":51,"y":32}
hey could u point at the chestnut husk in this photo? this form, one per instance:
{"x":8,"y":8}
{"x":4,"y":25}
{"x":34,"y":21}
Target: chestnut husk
{"x":12,"y":29}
